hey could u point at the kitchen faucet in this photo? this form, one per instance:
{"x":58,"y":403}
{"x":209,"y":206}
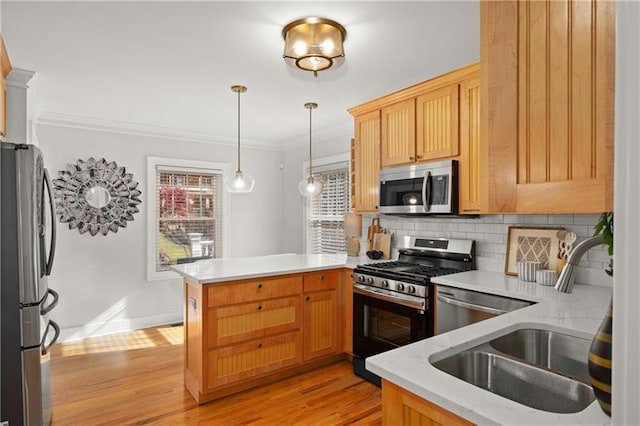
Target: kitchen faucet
{"x":568,"y":275}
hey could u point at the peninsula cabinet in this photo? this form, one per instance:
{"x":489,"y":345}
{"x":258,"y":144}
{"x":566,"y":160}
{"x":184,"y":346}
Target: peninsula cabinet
{"x":321,"y":331}
{"x":240,"y":334}
{"x":365,"y":163}
{"x":402,"y":408}
{"x":547,"y":106}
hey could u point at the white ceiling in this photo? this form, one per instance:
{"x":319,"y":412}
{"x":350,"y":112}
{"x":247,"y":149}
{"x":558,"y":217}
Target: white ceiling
{"x":170,"y":65}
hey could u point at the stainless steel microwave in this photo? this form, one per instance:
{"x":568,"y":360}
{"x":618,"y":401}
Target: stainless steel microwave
{"x":420,"y":189}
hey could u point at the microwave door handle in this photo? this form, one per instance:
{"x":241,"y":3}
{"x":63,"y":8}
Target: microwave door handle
{"x":426,"y":192}
{"x":52,"y":249}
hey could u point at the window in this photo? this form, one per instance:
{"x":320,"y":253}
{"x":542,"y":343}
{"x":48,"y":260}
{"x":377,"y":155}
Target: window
{"x":186,"y":216}
{"x":325,"y":214}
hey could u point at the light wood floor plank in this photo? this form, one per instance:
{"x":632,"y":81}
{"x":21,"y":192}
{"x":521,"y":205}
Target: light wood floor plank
{"x":135,"y":378}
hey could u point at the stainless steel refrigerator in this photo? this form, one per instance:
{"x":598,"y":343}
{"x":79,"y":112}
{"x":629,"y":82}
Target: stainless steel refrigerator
{"x":27,"y":247}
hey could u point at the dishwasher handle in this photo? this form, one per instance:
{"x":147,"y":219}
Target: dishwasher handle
{"x":475,"y":307}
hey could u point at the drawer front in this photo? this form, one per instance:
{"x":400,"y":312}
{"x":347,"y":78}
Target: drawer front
{"x":321,"y":280}
{"x":253,"y":290}
{"x":236,"y":323}
{"x":253,"y":359}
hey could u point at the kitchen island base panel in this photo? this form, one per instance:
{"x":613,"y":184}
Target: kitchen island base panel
{"x":192,"y":386}
{"x":400,"y":407}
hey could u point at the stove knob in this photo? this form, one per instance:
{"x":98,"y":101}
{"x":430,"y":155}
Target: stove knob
{"x":400,"y":287}
{"x":385,"y":284}
{"x":411,"y":290}
{"x":360,"y":279}
{"x":369,"y":280}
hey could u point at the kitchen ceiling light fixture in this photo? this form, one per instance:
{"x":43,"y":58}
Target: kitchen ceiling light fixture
{"x":314,"y":44}
{"x":310,"y":187}
{"x":242,"y":182}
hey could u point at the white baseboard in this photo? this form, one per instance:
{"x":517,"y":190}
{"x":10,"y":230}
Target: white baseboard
{"x":117,"y":326}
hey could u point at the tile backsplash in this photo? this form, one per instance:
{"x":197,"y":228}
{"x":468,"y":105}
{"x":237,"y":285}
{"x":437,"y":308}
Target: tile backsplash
{"x":490,"y":234}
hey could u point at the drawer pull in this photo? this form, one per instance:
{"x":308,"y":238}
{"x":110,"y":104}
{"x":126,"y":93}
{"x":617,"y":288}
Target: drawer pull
{"x":259,"y":307}
{"x":259,"y":285}
{"x":308,"y":298}
{"x":321,"y":277}
{"x":259,"y":345}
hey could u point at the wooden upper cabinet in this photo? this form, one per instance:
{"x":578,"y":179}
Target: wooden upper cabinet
{"x":398,"y":141}
{"x":471,"y":172}
{"x":5,"y":69}
{"x":549,"y":72}
{"x":437,"y":124}
{"x":365,"y":162}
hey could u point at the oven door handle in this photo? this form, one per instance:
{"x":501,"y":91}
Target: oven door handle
{"x":360,"y":289}
{"x":467,"y":305}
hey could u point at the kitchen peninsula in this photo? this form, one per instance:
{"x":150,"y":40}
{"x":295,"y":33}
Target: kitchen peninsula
{"x":250,"y":321}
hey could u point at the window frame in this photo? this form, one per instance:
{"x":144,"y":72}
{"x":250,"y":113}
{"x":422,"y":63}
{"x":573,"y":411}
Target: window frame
{"x":320,"y":162}
{"x":179,"y":163}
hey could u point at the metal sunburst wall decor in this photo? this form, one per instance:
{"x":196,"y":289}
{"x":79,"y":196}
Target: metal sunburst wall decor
{"x":96,"y":196}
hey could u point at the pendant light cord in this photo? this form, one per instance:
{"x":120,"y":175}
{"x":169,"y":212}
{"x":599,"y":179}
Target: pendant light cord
{"x":238,"y":171}
{"x":310,"y":166}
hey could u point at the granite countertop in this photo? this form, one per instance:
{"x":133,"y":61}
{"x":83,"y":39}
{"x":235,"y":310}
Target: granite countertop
{"x":218,"y":270}
{"x":579,"y":313}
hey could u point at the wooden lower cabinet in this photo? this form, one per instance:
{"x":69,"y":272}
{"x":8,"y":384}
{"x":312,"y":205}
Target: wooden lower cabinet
{"x":402,"y":408}
{"x":320,"y":324}
{"x":245,"y":333}
{"x":253,"y":359}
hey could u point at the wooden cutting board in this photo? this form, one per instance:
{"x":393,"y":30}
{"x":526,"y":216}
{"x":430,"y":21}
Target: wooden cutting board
{"x":382,"y":242}
{"x":373,"y":229}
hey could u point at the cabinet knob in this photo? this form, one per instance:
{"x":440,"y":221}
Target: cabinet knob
{"x":411,"y":158}
{"x":259,"y":285}
{"x":308,"y":298}
{"x":259,"y":345}
{"x":259,"y":307}
{"x":321,"y":277}
{"x":418,"y":157}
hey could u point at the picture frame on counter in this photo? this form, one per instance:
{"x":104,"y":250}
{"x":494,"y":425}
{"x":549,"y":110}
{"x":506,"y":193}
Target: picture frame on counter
{"x":532,"y":244}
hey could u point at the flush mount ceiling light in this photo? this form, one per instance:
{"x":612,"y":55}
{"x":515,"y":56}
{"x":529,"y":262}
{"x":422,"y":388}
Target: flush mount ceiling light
{"x":310,"y":187}
{"x":243,"y":182}
{"x":314,"y":44}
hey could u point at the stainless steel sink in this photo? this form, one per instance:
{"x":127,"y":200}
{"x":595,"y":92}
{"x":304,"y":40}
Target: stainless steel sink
{"x":558,"y":352}
{"x":541,"y":369}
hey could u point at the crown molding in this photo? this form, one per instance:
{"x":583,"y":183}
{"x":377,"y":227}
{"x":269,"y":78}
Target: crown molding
{"x":48,"y":118}
{"x":19,"y":77}
{"x":342,"y":131}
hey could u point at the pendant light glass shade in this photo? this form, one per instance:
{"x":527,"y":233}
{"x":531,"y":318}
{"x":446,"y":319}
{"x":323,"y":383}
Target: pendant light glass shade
{"x":242,"y":182}
{"x":310,"y":187}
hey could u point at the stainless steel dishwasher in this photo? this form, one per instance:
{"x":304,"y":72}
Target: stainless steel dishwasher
{"x":456,"y":307}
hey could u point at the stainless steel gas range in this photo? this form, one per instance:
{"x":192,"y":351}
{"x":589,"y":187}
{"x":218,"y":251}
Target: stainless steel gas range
{"x":394,"y":302}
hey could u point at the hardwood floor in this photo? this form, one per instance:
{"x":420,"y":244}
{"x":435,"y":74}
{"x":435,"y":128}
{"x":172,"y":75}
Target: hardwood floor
{"x":135,"y":378}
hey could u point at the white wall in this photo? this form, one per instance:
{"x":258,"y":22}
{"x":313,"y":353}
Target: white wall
{"x":102,"y":279}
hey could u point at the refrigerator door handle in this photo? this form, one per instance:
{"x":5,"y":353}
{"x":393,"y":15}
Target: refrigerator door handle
{"x":56,"y":328}
{"x":52,"y":249}
{"x":46,"y":309}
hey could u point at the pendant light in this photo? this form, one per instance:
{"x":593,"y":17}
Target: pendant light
{"x":310,"y":187}
{"x":242,"y":182}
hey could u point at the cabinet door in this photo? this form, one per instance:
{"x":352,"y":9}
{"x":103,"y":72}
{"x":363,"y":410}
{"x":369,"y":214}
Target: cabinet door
{"x":402,"y":408}
{"x":365,"y":162}
{"x":437,"y":113}
{"x":549,"y":107}
{"x":320,"y":324}
{"x":253,"y":359}
{"x":471,"y":190}
{"x":398,"y":140}
{"x":231,"y":324}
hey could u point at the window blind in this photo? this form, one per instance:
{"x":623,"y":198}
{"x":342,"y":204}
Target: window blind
{"x":188,"y":215}
{"x":325,"y":213}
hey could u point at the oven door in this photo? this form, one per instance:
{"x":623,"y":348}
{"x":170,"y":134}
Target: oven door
{"x":381,"y":324}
